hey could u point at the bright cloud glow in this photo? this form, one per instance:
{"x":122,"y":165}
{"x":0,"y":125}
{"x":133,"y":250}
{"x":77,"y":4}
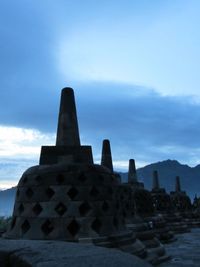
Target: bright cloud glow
{"x":20,"y":142}
{"x":19,"y":150}
{"x":4,"y":184}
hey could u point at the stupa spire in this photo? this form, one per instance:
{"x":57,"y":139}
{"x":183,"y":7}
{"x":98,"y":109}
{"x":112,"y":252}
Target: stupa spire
{"x":132,"y":174}
{"x":67,"y":131}
{"x":178,"y":184}
{"x":106,"y":157}
{"x":155,"y":180}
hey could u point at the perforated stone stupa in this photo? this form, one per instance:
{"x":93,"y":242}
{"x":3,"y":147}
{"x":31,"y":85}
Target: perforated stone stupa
{"x":162,"y":206}
{"x":161,"y":200}
{"x":137,"y":207}
{"x":67,"y":196}
{"x":141,"y":197}
{"x":181,"y":201}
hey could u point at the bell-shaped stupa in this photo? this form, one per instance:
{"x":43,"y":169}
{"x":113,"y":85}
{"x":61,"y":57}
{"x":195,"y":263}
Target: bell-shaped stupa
{"x":181,"y":201}
{"x":67,"y":196}
{"x":161,"y":200}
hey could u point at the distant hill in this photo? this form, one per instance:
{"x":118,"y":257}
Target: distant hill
{"x":167,"y":171}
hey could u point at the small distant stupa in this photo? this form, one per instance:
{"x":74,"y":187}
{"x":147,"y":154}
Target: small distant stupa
{"x":180,"y":200}
{"x":161,"y":200}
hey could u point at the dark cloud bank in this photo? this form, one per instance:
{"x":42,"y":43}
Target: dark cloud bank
{"x":137,"y":120}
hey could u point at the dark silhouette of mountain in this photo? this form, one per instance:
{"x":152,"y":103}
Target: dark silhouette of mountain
{"x":167,"y":171}
{"x":7,"y":198}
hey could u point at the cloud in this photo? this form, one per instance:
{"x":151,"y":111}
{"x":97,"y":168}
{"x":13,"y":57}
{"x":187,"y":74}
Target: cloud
{"x":27,"y":63}
{"x":19,"y":150}
{"x":20,"y":142}
{"x":139,"y":122}
{"x":12,"y":169}
{"x":135,"y":118}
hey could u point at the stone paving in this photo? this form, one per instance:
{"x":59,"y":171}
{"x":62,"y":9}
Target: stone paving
{"x":36,"y":253}
{"x":185,"y":251}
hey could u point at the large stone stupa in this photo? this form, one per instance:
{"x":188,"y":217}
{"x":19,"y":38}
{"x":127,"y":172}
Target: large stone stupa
{"x":67,"y":196}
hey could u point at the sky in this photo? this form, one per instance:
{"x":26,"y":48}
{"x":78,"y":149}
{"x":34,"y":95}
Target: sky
{"x":134,"y":66}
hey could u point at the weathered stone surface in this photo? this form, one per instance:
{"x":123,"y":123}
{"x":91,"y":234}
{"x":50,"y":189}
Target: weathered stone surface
{"x":185,"y":251}
{"x":26,"y":253}
{"x":66,"y":202}
{"x":68,"y":154}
